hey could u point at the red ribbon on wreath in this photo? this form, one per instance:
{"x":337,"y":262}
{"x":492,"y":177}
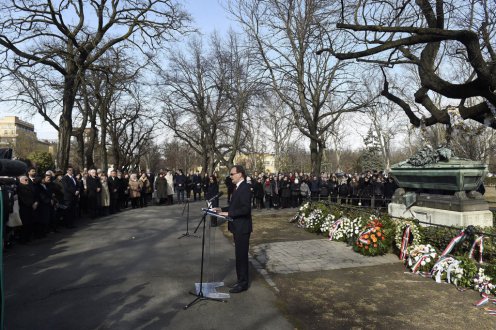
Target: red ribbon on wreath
{"x":479,"y":241}
{"x":404,"y":241}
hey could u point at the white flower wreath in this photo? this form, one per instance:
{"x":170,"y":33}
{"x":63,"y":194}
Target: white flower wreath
{"x":327,"y":223}
{"x":400,"y":228}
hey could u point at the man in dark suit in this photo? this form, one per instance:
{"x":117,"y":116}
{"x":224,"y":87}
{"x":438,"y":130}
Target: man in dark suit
{"x":71,"y":194}
{"x":113,"y":186}
{"x":241,"y":227}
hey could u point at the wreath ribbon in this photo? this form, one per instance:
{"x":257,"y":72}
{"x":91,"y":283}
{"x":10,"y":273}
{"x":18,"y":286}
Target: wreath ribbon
{"x":334,"y":228}
{"x":404,"y":242}
{"x":479,"y":241}
{"x":457,"y":239}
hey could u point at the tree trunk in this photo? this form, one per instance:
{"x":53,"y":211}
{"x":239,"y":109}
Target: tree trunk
{"x":316,"y":152}
{"x":80,"y":141}
{"x":103,"y":150}
{"x":90,"y":161}
{"x":65,"y":121}
{"x":205,"y":162}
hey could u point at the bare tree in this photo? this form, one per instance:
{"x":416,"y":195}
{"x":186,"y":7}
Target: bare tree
{"x":68,"y":37}
{"x":194,"y":98}
{"x":278,"y":123}
{"x":130,"y":132}
{"x":242,"y":87}
{"x":317,"y":89}
{"x":438,"y":38}
{"x":206,"y":95}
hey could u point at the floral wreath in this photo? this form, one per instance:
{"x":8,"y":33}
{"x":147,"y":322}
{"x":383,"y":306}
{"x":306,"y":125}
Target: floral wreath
{"x":400,"y":229}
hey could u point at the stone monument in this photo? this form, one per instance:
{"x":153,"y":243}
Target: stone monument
{"x":435,"y":187}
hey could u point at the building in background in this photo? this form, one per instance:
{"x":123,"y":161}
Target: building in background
{"x":21,"y":137}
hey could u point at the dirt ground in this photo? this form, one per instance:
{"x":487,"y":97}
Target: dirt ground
{"x":376,"y":297}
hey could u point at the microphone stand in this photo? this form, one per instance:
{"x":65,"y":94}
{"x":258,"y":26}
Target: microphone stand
{"x":199,"y":295}
{"x":187,"y":234}
{"x":209,"y":205}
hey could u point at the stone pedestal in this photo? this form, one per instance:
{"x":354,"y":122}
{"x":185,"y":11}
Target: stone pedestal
{"x":483,"y":218}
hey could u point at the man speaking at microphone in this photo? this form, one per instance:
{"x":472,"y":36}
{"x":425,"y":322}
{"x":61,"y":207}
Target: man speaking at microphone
{"x":241,"y":227}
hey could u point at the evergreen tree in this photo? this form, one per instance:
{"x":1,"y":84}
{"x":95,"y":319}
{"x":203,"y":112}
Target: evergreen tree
{"x":371,"y":158}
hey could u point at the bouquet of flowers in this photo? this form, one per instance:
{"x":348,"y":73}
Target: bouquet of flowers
{"x":482,"y":282}
{"x":447,"y":269}
{"x":370,"y":241}
{"x":313,"y":221}
{"x":421,"y":258}
{"x":299,"y":217}
{"x":351,"y":228}
{"x":327,"y":223}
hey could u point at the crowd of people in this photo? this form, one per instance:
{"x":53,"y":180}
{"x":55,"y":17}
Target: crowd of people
{"x":45,"y":202}
{"x":290,"y":190}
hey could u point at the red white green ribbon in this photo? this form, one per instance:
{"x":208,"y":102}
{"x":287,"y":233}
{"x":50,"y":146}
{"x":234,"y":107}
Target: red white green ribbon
{"x":404,"y":241}
{"x":479,"y":241}
{"x":419,"y":262}
{"x":484,"y":300}
{"x":453,"y":243}
{"x":334,"y":228}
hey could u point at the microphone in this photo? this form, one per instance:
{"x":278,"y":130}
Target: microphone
{"x":12,"y":167}
{"x":215,"y":197}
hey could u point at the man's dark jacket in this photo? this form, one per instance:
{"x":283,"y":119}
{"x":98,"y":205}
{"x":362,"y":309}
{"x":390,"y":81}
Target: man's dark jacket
{"x":240,"y":210}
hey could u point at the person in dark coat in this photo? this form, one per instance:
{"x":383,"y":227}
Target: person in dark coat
{"x":241,"y":227}
{"x":71,"y":193}
{"x":230,"y":188}
{"x":343,"y":191}
{"x":285,"y":192}
{"x":196,"y":183}
{"x":180,"y":185}
{"x":160,"y":188}
{"x":295,"y":193}
{"x":212,"y":190}
{"x":366,"y":192}
{"x":93,"y":189}
{"x":354,"y":191}
{"x":258,"y":193}
{"x":28,"y":203}
{"x":325,"y":189}
{"x":46,"y":206}
{"x":315,"y":188}
{"x":267,"y":188}
{"x":205,"y":183}
{"x":114,"y":190}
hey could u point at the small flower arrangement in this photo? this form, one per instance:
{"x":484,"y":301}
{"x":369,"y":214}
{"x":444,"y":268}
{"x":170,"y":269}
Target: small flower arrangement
{"x":482,"y":282}
{"x":421,"y":258}
{"x":469,"y":271}
{"x":371,"y":240}
{"x":352,"y":227}
{"x":327,"y":224}
{"x":299,"y":217}
{"x":414,"y":232}
{"x":313,"y":221}
{"x":447,"y":269}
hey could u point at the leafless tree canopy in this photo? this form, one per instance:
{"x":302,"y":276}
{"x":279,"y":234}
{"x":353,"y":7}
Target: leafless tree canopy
{"x":317,"y":89}
{"x":450,"y":42}
{"x":68,"y":37}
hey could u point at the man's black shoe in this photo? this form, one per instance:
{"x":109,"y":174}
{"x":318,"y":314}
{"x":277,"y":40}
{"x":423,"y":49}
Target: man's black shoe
{"x":238,"y":289}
